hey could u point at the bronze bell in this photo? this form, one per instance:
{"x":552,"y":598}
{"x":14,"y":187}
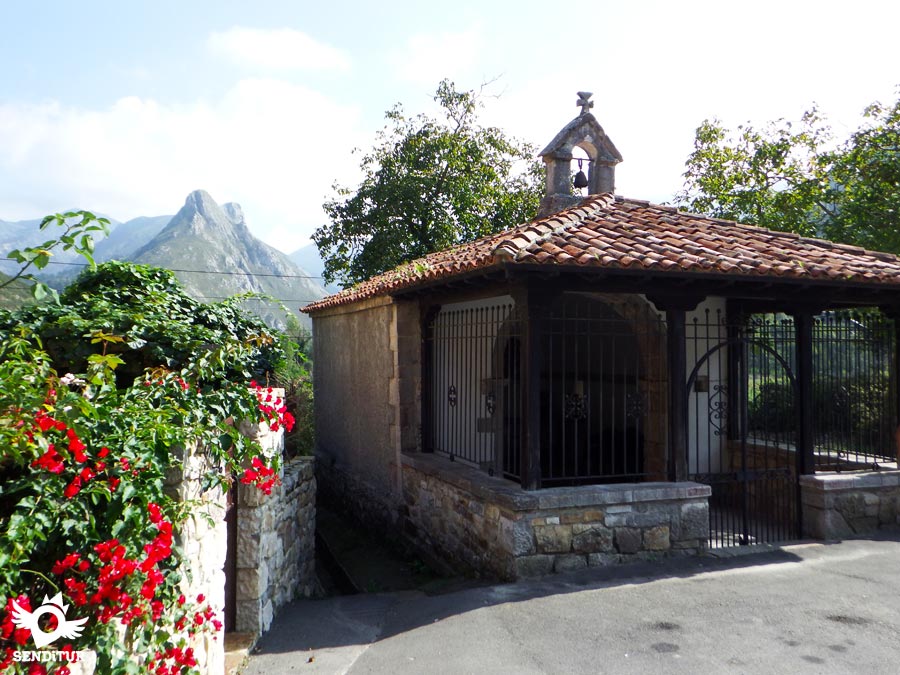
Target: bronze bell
{"x":581,"y":180}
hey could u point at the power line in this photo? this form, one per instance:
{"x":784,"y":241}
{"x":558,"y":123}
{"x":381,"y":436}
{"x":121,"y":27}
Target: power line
{"x":248,"y":274}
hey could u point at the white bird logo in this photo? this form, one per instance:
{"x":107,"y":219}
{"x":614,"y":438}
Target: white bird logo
{"x":55,"y":606}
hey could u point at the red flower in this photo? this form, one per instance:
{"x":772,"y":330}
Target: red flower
{"x":50,"y":460}
{"x":288,"y":421}
{"x":76,"y":447}
{"x":104,"y":451}
{"x":73,"y":488}
{"x":62,"y":565}
{"x":76,"y":590}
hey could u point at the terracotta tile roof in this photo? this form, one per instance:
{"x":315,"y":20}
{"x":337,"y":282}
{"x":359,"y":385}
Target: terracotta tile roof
{"x":611,"y":232}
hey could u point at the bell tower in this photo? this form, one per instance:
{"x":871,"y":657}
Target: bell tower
{"x":586,"y":133}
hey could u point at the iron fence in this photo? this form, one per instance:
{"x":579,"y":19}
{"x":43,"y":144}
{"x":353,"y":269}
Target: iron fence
{"x":736,"y":444}
{"x":603,"y":395}
{"x":854,"y":388}
{"x":475,"y":385}
{"x":602,"y":391}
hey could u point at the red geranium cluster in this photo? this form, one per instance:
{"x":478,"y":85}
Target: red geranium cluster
{"x":52,"y":461}
{"x":260,"y":475}
{"x":114,"y":572}
{"x":171,"y":661}
{"x":273,"y":408}
{"x":8,"y":629}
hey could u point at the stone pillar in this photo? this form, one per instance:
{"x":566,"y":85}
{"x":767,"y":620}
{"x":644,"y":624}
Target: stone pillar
{"x":204,"y":540}
{"x":841,"y":505}
{"x":275,"y":546}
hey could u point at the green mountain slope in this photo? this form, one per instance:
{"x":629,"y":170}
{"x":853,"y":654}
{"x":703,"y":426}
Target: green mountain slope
{"x":215,"y":242}
{"x":16,"y":294}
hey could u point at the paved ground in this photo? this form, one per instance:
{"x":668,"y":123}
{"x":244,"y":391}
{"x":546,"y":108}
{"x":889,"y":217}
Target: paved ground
{"x":809,"y":608}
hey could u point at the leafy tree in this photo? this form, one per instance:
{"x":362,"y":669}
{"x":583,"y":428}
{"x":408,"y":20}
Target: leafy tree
{"x":865,"y":183}
{"x":428,"y":184}
{"x":795,"y":178}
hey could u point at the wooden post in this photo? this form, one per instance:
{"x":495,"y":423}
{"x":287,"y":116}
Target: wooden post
{"x":676,"y":308}
{"x":737,"y":388}
{"x":428,"y":314}
{"x":893,"y":313}
{"x":531,"y":306}
{"x":676,"y":354}
{"x":896,"y":377}
{"x":803,"y":344}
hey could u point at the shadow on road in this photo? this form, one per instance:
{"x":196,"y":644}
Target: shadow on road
{"x":364,"y":618}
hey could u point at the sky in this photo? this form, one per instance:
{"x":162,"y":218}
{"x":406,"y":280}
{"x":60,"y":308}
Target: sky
{"x":123,"y":108}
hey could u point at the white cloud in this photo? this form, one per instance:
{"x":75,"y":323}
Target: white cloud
{"x":427,"y":58}
{"x":272,"y":146}
{"x":276,"y":49}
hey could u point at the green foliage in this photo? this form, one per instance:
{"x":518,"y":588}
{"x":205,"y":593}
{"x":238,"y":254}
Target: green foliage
{"x":428,"y":184}
{"x":772,"y":409}
{"x":143,"y":315}
{"x":866,"y":183}
{"x":793,"y":178}
{"x":77,"y":235}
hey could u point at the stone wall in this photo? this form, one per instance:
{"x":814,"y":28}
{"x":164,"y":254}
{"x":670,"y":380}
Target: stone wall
{"x":368,"y":394}
{"x":275,"y":545}
{"x":491,"y":526}
{"x":838,"y":505}
{"x":204,"y":539}
{"x":275,"y":541}
{"x":357,"y":394}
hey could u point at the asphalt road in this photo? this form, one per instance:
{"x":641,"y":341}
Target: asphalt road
{"x":807,"y":608}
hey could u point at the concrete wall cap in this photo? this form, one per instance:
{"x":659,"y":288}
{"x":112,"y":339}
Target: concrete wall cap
{"x":510,"y":495}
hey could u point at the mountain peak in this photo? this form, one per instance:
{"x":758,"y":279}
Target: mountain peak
{"x":234,"y":211}
{"x":201,"y":202}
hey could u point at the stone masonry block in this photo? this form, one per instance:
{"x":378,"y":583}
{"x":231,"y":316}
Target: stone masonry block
{"x":657,"y":538}
{"x":603,"y":559}
{"x":534,"y":565}
{"x":591,"y":538}
{"x":569,"y":563}
{"x":519,"y":534}
{"x":628,"y":539}
{"x":693,"y":522}
{"x":636,"y":519}
{"x":553,"y":538}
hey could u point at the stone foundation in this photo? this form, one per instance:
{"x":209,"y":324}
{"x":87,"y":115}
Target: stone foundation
{"x":490,"y":526}
{"x":275,"y":545}
{"x":839,"y":505}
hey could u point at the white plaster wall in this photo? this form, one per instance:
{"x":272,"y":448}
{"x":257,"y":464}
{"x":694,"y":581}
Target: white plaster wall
{"x":463,"y":356}
{"x":705,"y":445}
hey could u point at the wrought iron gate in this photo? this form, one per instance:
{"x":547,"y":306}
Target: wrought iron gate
{"x":742,"y":427}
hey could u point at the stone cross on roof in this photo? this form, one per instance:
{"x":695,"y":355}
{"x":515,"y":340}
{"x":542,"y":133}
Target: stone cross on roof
{"x":584,"y":100}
